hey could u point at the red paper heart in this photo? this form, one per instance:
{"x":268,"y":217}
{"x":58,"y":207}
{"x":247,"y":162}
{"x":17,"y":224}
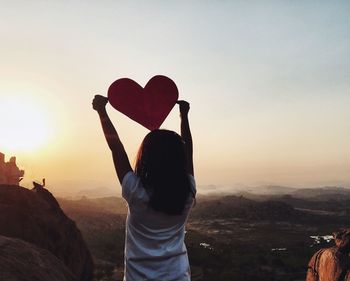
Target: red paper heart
{"x":147,"y":106}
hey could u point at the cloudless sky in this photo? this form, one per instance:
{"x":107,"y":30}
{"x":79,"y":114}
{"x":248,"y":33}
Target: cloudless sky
{"x":268,"y":83}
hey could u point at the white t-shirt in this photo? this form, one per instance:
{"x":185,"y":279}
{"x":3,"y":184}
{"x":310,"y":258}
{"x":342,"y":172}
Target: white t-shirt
{"x":154,"y":242}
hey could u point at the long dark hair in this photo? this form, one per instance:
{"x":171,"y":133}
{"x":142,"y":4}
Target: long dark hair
{"x":161,"y":165}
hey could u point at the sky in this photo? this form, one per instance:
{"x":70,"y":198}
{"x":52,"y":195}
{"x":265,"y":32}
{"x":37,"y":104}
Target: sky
{"x":268,"y":83}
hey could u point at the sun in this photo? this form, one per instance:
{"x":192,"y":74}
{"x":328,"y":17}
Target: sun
{"x":23,"y":125}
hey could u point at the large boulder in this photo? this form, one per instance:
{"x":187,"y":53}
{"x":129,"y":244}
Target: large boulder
{"x":36,"y":217}
{"x":332,"y":264}
{"x":22,"y":261}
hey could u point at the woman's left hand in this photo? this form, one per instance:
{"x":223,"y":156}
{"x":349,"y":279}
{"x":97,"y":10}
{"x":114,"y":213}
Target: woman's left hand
{"x":184,"y":107}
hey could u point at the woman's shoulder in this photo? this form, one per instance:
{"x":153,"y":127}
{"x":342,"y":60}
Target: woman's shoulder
{"x":132,"y":188}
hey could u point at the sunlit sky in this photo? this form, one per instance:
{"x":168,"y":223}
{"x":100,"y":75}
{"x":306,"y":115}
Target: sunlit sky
{"x":268,"y":83}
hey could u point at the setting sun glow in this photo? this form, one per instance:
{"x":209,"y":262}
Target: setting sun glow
{"x":268,"y":83}
{"x":23,"y":124}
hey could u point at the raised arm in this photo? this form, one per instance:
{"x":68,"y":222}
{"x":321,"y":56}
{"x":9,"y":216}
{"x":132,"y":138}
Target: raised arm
{"x":120,"y":158}
{"x":186,"y":134}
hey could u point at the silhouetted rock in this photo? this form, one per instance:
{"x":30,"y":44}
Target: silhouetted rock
{"x":36,"y":217}
{"x":9,"y":172}
{"x":20,"y":260}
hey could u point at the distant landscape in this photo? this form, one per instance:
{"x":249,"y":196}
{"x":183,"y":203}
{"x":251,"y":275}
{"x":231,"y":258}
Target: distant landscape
{"x":243,"y":236}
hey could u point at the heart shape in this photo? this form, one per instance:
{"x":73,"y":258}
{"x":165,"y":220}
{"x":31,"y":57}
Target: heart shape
{"x":148,"y":106}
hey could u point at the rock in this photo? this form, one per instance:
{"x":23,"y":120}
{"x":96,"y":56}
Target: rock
{"x":22,"y":261}
{"x":332,"y":264}
{"x":328,"y":265}
{"x":36,"y":217}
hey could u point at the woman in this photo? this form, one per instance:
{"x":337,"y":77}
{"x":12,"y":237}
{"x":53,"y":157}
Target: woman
{"x":160,"y":193}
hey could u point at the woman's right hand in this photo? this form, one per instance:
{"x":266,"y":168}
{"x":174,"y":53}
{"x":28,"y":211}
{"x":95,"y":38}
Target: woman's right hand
{"x":99,"y":103}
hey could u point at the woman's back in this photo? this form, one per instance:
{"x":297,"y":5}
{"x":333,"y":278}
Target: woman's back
{"x":154,"y":244}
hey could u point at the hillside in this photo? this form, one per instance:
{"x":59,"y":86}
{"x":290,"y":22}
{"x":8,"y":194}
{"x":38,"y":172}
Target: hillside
{"x":228,"y":237}
{"x":240,"y":207}
{"x":323,"y":193}
{"x":112,"y":205}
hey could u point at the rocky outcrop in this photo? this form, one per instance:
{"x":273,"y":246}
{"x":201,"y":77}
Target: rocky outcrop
{"x":332,"y":264}
{"x":9,"y":172}
{"x":35,"y":216}
{"x":23,"y":261}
